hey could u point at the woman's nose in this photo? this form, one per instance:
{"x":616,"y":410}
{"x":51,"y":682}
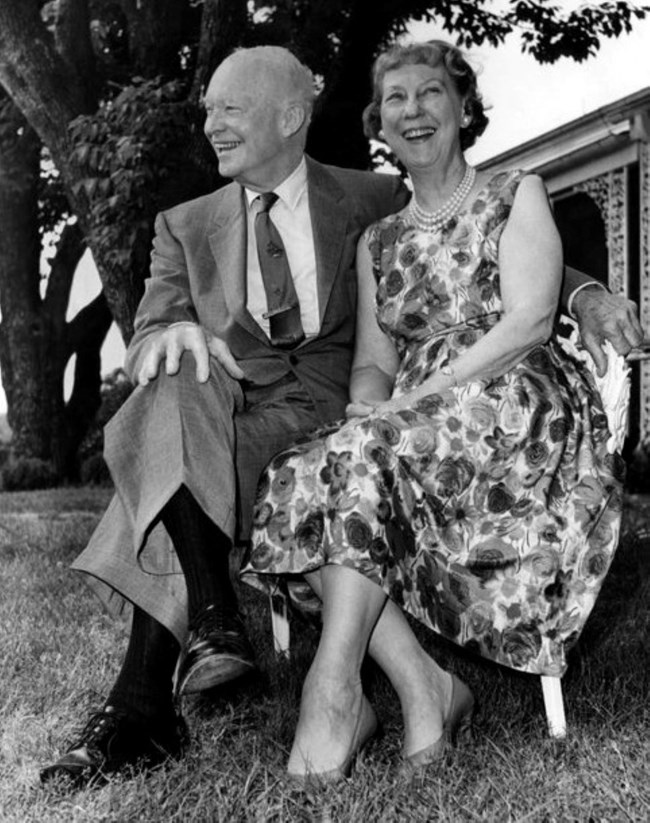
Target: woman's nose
{"x":412,"y":107}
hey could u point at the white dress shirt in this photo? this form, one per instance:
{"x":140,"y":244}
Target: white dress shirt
{"x":290,"y":214}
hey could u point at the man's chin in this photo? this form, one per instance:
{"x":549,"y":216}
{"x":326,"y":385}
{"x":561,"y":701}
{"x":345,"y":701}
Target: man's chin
{"x":228,"y":167}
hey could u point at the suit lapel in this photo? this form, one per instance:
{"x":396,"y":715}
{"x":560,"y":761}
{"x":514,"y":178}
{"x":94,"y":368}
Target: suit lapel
{"x":329,"y":223}
{"x":228,"y":243}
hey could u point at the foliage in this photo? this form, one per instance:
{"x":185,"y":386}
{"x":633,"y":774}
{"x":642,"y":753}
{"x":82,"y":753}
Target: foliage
{"x":548,"y":35}
{"x":116,"y":388}
{"x":95,"y":472}
{"x":27,"y":474}
{"x":546,"y":31}
{"x":126,"y":150}
{"x":53,"y":206}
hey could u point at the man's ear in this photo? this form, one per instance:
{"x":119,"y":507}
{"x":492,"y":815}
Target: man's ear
{"x":293,"y":119}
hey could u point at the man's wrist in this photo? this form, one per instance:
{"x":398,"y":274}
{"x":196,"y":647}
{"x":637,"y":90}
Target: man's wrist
{"x":576,"y":292}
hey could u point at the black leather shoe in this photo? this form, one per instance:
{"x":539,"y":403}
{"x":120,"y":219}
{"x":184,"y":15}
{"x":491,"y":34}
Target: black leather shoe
{"x":112,"y":741}
{"x":217,"y":651}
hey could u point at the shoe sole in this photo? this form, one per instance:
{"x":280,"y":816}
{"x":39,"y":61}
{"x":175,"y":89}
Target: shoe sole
{"x":214,"y":672}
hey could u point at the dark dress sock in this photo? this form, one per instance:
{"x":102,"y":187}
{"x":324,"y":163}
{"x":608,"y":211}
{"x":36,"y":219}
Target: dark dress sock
{"x":203,"y":551}
{"x":144,"y":684}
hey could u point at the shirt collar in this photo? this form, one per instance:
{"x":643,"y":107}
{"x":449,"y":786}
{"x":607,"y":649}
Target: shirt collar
{"x":290,"y":189}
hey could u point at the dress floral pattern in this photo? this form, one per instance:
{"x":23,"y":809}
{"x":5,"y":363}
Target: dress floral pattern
{"x":489,"y":512}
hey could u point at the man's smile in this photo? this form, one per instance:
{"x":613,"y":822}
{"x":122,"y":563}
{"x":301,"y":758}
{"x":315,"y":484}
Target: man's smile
{"x":221,"y":147}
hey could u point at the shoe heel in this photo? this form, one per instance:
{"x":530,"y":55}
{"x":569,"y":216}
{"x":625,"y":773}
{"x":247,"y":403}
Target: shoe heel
{"x":464,"y":732}
{"x":462,"y":713}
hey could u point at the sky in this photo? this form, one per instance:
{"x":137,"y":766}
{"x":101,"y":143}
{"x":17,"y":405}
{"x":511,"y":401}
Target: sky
{"x":525,"y":99}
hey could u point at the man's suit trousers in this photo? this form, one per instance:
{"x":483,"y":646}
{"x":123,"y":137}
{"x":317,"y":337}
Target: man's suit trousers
{"x":215,"y":438}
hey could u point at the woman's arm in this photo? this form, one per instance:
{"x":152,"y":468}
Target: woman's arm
{"x":530,"y":269}
{"x":375,"y":361}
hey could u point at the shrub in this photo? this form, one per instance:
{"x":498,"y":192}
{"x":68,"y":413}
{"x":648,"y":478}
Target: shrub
{"x":115,"y":389}
{"x":94,"y":471}
{"x":27,"y":474}
{"x":5,"y":454}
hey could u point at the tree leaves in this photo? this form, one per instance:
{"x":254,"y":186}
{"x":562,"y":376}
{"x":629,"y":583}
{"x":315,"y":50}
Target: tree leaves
{"x":125,"y":150}
{"x":548,"y":34}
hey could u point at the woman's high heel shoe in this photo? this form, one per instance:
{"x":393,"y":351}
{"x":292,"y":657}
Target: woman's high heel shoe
{"x":365,"y":729}
{"x":457,"y":725}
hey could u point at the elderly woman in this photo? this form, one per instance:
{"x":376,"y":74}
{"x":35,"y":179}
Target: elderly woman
{"x":471,"y":485}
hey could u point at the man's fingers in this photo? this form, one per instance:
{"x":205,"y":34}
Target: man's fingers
{"x":604,"y":316}
{"x":624,"y":333}
{"x":173,"y":354}
{"x":593,"y":346}
{"x":632,"y":326}
{"x":169,"y":345}
{"x":221,"y":351}
{"x":193,"y":340}
{"x":150,"y":365}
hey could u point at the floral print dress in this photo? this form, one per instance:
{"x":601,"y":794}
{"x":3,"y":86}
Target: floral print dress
{"x":489,"y":512}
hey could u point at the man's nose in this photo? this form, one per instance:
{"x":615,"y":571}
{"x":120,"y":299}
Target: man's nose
{"x":214,"y":122}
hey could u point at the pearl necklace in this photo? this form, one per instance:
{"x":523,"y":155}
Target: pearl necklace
{"x":430,"y":221}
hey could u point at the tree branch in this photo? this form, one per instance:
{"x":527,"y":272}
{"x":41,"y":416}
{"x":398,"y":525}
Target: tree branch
{"x":69,"y":251}
{"x":90,"y":325}
{"x":35,"y":76}
{"x":86,"y":335}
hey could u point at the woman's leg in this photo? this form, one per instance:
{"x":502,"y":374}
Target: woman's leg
{"x":332,"y":699}
{"x":423,"y":688}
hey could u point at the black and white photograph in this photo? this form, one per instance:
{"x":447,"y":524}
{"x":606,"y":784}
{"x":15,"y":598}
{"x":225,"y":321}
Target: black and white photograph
{"x":324,"y":411}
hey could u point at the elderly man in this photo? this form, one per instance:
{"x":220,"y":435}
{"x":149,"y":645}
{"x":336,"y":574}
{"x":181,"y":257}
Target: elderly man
{"x":243,"y":342}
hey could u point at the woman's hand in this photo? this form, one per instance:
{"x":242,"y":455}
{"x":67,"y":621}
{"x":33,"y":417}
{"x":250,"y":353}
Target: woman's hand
{"x":359,"y":409}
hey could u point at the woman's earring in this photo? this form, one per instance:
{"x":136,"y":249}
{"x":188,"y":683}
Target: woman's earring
{"x":381,"y":135}
{"x":465,"y":120}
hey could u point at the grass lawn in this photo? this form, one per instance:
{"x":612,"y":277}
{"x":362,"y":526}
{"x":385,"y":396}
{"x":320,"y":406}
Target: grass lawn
{"x":59,"y":654}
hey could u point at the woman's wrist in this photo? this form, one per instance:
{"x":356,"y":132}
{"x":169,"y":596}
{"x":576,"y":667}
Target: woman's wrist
{"x":450,"y":373}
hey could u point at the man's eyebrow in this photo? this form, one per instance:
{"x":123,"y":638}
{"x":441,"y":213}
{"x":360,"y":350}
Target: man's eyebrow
{"x":241,"y":100}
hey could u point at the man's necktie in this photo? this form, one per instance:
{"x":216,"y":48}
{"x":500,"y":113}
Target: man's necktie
{"x":282,"y":301}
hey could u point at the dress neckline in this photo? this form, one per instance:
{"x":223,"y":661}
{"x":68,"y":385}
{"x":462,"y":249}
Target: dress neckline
{"x":403,"y":214}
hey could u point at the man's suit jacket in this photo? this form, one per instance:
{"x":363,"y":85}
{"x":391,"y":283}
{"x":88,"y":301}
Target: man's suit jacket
{"x":199,"y":274}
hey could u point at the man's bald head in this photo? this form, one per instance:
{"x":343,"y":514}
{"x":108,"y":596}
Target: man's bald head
{"x":281,"y":70}
{"x":258,"y":106}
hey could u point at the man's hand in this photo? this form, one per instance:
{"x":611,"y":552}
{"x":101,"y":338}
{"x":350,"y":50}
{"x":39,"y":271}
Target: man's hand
{"x":603,"y":316}
{"x":169,"y":345}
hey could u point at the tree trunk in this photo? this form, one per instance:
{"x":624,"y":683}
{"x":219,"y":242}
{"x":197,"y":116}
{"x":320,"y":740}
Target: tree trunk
{"x":50,"y":97}
{"x":35,"y":341}
{"x":223,"y":28}
{"x":22,"y":335}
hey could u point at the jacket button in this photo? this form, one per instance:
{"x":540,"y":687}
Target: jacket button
{"x":293,"y":359}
